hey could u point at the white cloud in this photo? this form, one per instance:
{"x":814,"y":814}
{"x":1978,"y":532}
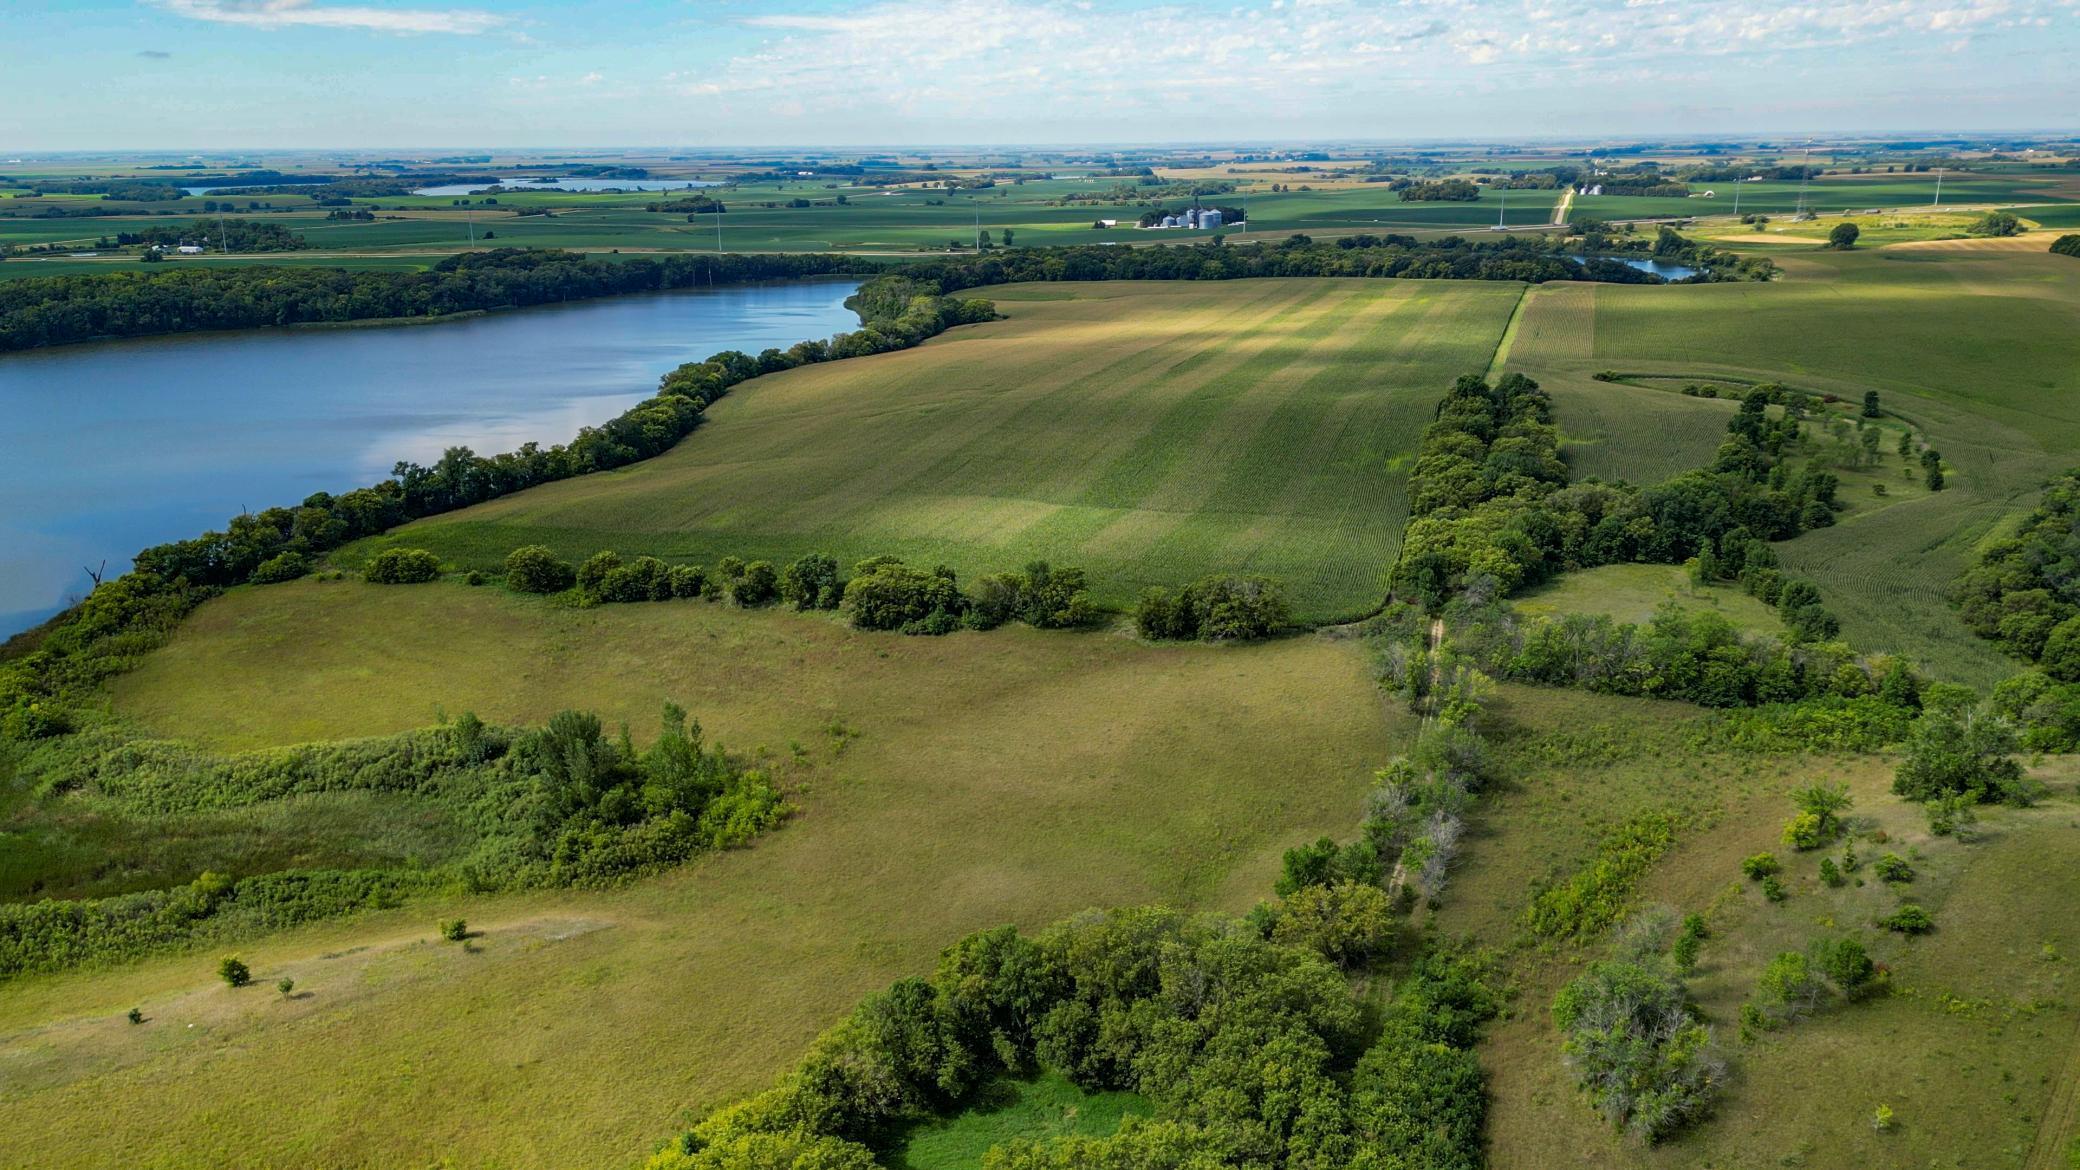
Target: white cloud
{"x":304,"y":13}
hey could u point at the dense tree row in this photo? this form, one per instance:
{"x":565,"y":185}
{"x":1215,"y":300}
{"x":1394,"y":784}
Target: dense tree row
{"x":882,"y":593}
{"x":562,"y":804}
{"x":1217,"y":608}
{"x":1527,"y":258}
{"x":1491,"y":502}
{"x":123,"y":617}
{"x":2067,"y":245}
{"x":55,"y":310}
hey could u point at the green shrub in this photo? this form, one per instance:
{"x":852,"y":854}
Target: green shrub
{"x":285,"y":985}
{"x":533,"y":568}
{"x":811,"y":582}
{"x":1215,"y":609}
{"x":1996,"y":223}
{"x":1893,"y":869}
{"x":454,"y":929}
{"x":1773,"y":889}
{"x":287,"y":566}
{"x":757,"y":585}
{"x":1830,"y":873}
{"x":1909,"y":919}
{"x":1805,"y":831}
{"x":233,"y":971}
{"x":135,"y":1015}
{"x":1952,"y":815}
{"x":1788,"y":990}
{"x":1689,"y":942}
{"x":2067,"y":245}
{"x":401,"y":566}
{"x":1760,"y":866}
{"x":1847,"y":965}
{"x":1346,"y":923}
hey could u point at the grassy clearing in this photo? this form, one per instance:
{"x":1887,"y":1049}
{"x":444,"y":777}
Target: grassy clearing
{"x":949,"y":784}
{"x":1149,"y":432}
{"x":1971,"y":1051}
{"x":1977,"y":348}
{"x":1631,"y":593}
{"x":1048,"y":1106}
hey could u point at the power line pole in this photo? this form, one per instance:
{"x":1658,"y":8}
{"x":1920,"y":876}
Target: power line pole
{"x":1939,"y":187}
{"x":1502,"y":215}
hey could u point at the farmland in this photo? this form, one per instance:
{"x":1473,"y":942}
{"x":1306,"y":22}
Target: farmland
{"x":1095,"y":427}
{"x":1151,"y":433}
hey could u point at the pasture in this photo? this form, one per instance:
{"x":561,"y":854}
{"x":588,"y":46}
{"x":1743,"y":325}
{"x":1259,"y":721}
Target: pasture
{"x":1150,"y":433}
{"x":945,"y":785}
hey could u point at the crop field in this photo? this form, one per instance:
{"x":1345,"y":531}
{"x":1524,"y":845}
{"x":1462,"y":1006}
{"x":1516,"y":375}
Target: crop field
{"x":1150,"y":433}
{"x":1976,"y":345}
{"x":948,"y":784}
{"x":1834,"y":193}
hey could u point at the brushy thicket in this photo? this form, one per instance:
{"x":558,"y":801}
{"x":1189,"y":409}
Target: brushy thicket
{"x":128,"y":616}
{"x":2024,"y":592}
{"x":1253,"y":1054}
{"x":2067,"y":245}
{"x":558,"y":805}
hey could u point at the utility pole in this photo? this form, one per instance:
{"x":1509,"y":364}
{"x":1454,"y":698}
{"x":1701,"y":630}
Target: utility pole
{"x":978,"y":228}
{"x":1502,"y":216}
{"x":1736,"y":196}
{"x":469,"y":214}
{"x":1939,"y":187}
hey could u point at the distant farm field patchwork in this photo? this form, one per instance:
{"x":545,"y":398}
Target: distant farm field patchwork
{"x":1149,"y":432}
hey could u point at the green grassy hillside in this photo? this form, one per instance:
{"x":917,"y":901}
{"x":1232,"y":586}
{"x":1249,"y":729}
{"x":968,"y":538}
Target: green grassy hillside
{"x":949,"y":784}
{"x":1150,"y":433}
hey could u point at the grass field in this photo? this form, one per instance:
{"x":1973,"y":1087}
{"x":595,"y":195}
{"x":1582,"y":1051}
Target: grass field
{"x":974,"y":779}
{"x":1631,"y":593}
{"x":1151,"y":433}
{"x":1047,"y":1106}
{"x":1975,"y":343}
{"x":583,"y":1026}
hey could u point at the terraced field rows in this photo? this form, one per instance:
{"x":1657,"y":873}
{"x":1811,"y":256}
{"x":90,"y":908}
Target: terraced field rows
{"x":1149,"y":432}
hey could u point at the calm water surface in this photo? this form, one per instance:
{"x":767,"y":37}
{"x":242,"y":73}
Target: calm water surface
{"x":1660,"y":268}
{"x":111,"y":447}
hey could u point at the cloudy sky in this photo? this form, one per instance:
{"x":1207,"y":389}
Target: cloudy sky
{"x":180,"y":74}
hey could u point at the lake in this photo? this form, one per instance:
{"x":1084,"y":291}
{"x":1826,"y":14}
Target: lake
{"x":1660,"y":268}
{"x":115,"y":446}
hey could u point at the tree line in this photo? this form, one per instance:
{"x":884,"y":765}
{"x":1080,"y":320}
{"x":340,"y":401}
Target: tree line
{"x":1526,"y":258}
{"x":56,"y":310}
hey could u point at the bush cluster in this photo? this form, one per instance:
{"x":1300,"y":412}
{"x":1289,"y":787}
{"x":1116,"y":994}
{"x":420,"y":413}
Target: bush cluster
{"x":1632,"y":1040}
{"x":1214,"y":609}
{"x":401,"y":566}
{"x":2067,"y":245}
{"x":562,"y":804}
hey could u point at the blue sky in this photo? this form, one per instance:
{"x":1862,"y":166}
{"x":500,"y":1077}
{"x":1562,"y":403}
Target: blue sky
{"x":183,"y":74}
